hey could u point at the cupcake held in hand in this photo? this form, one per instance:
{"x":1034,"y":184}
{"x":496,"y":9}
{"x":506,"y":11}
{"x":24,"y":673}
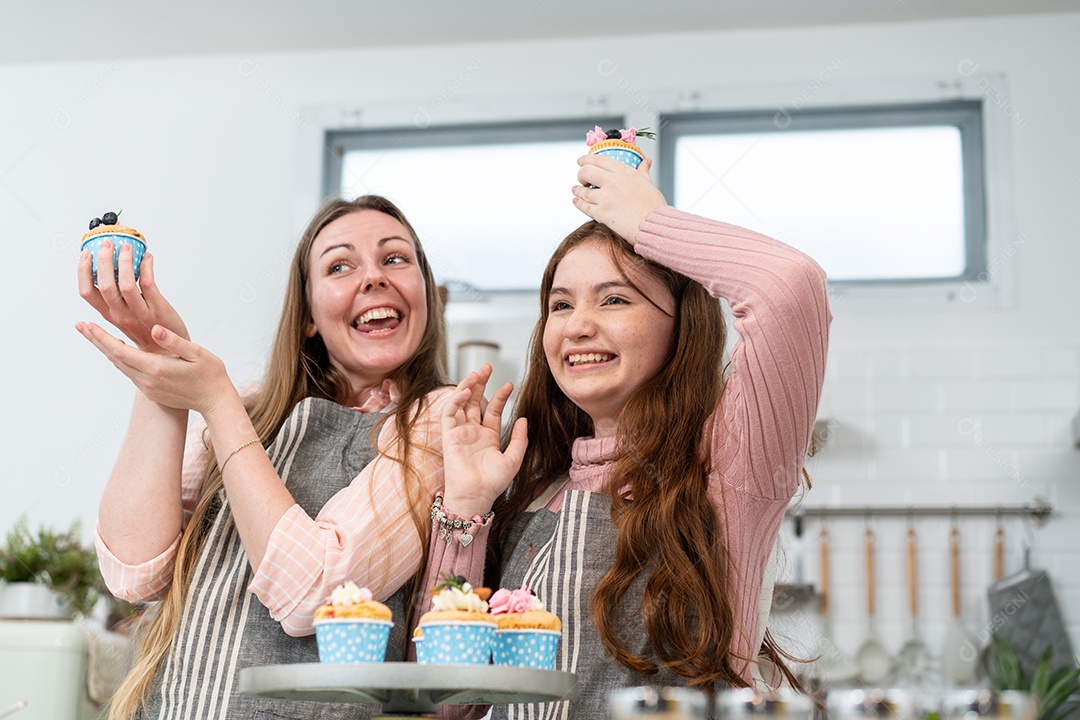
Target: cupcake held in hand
{"x":352,"y":627}
{"x":528,"y":635}
{"x":619,"y":144}
{"x":458,"y":630}
{"x":108,"y":227}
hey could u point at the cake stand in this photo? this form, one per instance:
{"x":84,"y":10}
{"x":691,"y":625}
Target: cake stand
{"x":408,"y":689}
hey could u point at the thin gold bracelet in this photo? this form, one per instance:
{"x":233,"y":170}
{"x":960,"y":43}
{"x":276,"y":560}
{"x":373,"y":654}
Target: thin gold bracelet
{"x":238,"y":449}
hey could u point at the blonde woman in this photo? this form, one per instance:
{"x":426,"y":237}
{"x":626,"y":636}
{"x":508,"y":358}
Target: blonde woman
{"x":243,"y":524}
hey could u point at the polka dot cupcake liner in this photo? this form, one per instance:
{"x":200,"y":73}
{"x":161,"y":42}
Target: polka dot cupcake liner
{"x":623,"y":155}
{"x":526,"y":648}
{"x":138,"y":249}
{"x":352,"y":640}
{"x":455,"y":643}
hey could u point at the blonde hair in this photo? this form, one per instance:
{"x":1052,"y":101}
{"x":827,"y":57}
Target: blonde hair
{"x":299,"y":367}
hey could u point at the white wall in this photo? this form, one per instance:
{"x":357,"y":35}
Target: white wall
{"x":212,"y":159}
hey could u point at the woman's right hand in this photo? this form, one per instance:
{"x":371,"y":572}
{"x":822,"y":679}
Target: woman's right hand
{"x":475,"y":468}
{"x":133,"y":307}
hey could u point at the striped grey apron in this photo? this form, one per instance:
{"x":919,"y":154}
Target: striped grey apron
{"x":573,"y":549}
{"x":319,"y":450}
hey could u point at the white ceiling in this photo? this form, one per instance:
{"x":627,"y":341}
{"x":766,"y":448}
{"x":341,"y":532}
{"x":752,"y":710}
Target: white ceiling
{"x":100,"y":29}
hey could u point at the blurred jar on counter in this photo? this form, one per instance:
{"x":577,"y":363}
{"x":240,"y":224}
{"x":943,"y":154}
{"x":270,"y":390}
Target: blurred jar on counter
{"x":472,"y":354}
{"x":975,"y":704}
{"x":861,"y":704}
{"x":749,"y":704}
{"x":676,"y":703}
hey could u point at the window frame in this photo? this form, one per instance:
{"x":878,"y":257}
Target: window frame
{"x":996,"y":288}
{"x":340,"y":141}
{"x":965,"y":115}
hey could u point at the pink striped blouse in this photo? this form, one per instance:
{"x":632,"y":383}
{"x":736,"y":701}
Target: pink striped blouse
{"x":307,"y":558}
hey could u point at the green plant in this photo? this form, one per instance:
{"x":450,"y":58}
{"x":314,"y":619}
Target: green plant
{"x":57,"y":560}
{"x":1050,"y":686}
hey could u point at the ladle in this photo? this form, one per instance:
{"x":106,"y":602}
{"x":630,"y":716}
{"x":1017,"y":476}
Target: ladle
{"x":960,"y":653}
{"x":873,"y":659}
{"x":833,"y":664}
{"x":982,"y":664}
{"x":914,"y":657}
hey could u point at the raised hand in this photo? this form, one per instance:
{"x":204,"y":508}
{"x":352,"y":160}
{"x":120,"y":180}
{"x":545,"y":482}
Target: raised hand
{"x":622,"y":196}
{"x":476,"y":470}
{"x":133,"y":307}
{"x":182,"y":375}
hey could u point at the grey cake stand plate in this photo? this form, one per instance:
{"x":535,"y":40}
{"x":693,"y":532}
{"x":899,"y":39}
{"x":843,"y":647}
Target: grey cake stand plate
{"x":408,"y":688}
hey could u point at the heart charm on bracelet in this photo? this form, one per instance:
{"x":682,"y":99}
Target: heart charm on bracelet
{"x":464,"y":539}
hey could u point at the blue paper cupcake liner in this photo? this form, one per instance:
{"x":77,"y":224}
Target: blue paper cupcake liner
{"x":459,"y":642}
{"x":622,"y":155}
{"x":526,"y":648}
{"x":352,"y":640}
{"x":421,"y":651}
{"x":138,"y":249}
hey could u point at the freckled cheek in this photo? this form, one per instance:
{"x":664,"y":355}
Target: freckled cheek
{"x":552,"y":346}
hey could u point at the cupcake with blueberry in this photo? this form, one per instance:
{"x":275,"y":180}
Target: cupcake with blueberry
{"x":528,"y":635}
{"x":108,"y":227}
{"x":352,"y":627}
{"x":458,"y":630}
{"x":619,"y":144}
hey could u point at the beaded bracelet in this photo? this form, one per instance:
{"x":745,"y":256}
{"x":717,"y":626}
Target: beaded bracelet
{"x":238,"y":449}
{"x":447,"y":526}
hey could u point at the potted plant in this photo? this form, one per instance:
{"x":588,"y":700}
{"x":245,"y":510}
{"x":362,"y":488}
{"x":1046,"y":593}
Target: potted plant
{"x":47,"y":574}
{"x":1051,"y":686}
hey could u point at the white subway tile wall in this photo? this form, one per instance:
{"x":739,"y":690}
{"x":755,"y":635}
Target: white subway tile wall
{"x":976,"y":426}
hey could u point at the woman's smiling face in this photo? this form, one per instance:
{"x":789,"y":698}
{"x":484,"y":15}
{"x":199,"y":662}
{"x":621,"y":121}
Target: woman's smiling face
{"x":604,"y":339}
{"x":367,"y":296}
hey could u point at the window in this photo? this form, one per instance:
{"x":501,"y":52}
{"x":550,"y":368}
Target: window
{"x":490,"y":203}
{"x":875,"y":194}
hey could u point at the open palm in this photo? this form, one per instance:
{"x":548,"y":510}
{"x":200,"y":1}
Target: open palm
{"x":477,"y":470}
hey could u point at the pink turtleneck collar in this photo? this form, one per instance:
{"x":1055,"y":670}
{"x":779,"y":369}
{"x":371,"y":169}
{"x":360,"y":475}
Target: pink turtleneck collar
{"x":592,"y":460}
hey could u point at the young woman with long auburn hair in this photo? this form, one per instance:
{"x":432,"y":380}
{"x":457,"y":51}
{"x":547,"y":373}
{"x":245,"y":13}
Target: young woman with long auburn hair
{"x":205,"y":521}
{"x":643,"y":483}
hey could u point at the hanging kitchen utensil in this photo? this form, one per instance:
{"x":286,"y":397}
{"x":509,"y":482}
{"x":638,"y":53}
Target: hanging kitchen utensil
{"x":960,"y":653}
{"x":874,"y":662}
{"x":982,"y":664}
{"x":1024,"y":609}
{"x":999,"y":551}
{"x":833,"y":665}
{"x":914,"y":656}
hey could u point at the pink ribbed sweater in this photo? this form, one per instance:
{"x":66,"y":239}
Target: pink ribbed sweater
{"x":766,"y":414}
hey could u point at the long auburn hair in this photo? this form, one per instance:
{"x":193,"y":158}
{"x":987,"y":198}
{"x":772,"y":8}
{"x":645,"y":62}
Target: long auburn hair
{"x":671,"y":531}
{"x":299,"y":367}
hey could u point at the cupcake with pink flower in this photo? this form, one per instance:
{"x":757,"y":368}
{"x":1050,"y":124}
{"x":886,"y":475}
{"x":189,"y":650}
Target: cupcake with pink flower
{"x":352,"y":627}
{"x":458,"y":629}
{"x":619,"y":144}
{"x":528,"y":635}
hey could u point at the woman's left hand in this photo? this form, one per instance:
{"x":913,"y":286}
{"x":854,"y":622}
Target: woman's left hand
{"x":188,"y":377}
{"x":622,"y":196}
{"x":476,"y":470}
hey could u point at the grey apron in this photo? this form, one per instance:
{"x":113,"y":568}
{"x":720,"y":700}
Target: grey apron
{"x":319,"y":450}
{"x":574,"y":548}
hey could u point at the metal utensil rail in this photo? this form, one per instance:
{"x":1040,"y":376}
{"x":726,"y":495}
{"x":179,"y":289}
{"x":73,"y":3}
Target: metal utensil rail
{"x":1038,"y":510}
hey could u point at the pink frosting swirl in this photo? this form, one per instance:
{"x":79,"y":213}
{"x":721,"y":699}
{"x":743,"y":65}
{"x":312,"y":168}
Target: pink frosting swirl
{"x":629,"y":135}
{"x":595,"y":135}
{"x":512,"y":601}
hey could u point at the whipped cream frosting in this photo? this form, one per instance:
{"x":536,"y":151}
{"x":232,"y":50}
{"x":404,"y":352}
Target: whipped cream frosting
{"x":463,"y":599}
{"x":350,"y":594}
